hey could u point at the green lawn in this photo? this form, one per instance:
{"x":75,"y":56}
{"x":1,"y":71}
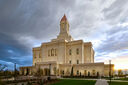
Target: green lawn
{"x":83,"y":82}
{"x":125,"y":79}
{"x":119,"y":83}
{"x":75,"y":82}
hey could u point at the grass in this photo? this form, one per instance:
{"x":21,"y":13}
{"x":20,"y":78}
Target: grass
{"x":124,"y":79}
{"x":75,"y":82}
{"x":119,"y":83}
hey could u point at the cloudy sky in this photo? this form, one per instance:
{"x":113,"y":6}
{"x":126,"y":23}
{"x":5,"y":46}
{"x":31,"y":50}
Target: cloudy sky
{"x":27,"y":23}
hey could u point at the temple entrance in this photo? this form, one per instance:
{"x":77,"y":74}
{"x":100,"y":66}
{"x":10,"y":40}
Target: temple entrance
{"x":88,"y":73}
{"x":54,"y":69}
{"x":97,"y":74}
{"x":93,"y":73}
{"x":27,"y":71}
{"x":46,"y":72}
{"x":85,"y":73}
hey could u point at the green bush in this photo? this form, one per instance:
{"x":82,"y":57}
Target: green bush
{"x":29,"y":83}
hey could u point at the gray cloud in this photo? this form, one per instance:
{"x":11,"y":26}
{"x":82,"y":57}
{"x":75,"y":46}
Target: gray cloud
{"x":116,"y":12}
{"x":116,"y":40}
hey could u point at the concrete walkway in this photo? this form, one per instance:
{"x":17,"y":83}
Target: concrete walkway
{"x":101,"y":82}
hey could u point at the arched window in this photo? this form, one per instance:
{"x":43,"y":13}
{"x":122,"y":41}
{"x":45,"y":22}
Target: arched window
{"x":93,"y":72}
{"x":77,"y":51}
{"x":63,"y":72}
{"x":85,"y":73}
{"x":54,"y":69}
{"x":97,"y":74}
{"x":48,"y":52}
{"x":88,"y":73}
{"x":70,"y":62}
{"x":77,"y":72}
{"x":70,"y":52}
{"x":77,"y":61}
{"x":52,"y":52}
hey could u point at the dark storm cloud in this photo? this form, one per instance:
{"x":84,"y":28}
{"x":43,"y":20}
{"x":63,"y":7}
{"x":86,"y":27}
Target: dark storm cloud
{"x":11,"y":50}
{"x":23,"y":17}
{"x":32,"y":18}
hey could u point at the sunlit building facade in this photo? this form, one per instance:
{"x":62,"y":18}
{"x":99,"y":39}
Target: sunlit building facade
{"x":64,"y":55}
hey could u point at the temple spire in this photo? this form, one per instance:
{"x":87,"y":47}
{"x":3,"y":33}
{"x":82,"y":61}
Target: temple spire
{"x":64,"y":18}
{"x":64,"y":30}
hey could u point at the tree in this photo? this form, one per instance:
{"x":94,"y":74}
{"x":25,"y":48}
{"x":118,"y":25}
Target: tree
{"x":120,"y":73}
{"x":2,"y":69}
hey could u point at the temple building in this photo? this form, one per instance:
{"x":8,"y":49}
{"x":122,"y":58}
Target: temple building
{"x":64,"y":55}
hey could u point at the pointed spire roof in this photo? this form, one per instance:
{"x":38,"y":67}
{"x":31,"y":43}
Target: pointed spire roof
{"x":64,"y":18}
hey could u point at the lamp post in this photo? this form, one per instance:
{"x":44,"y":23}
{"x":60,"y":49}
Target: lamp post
{"x":14,"y":71}
{"x":110,"y":71}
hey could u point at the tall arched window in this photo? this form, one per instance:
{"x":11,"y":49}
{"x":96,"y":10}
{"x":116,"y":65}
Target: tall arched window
{"x":77,"y":51}
{"x":48,"y":52}
{"x":93,"y":72}
{"x":77,"y":72}
{"x":85,"y":73}
{"x":70,"y":52}
{"x":88,"y":73}
{"x":52,"y":52}
{"x":77,"y":61}
{"x":70,"y":62}
{"x":63,"y":72}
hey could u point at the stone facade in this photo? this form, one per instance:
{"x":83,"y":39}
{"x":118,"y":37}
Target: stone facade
{"x":63,"y":54}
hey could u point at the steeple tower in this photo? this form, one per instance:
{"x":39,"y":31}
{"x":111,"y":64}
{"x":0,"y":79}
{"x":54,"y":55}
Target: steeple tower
{"x":64,"y":30}
{"x":64,"y":25}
